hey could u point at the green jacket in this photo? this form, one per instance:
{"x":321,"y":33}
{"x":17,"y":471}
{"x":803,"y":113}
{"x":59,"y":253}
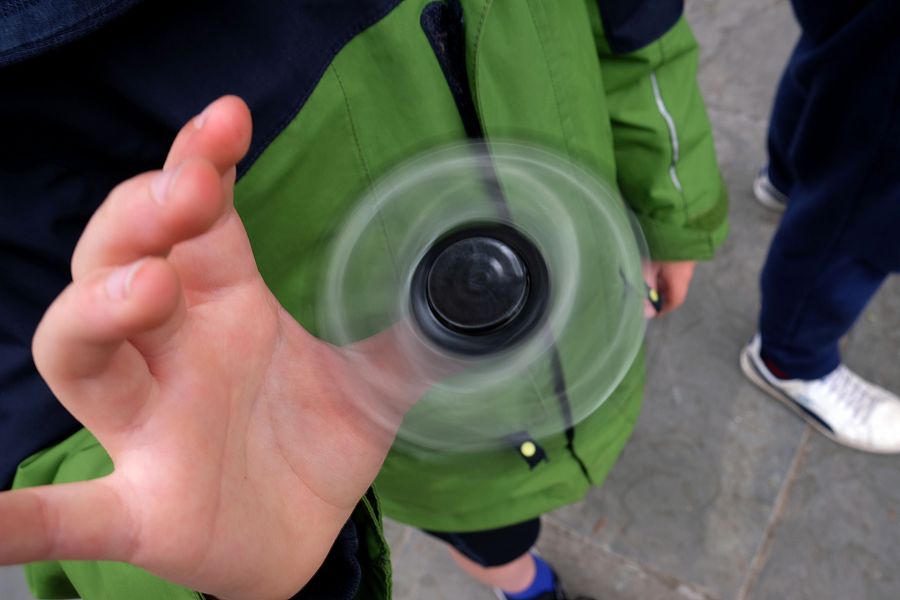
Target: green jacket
{"x":540,"y":72}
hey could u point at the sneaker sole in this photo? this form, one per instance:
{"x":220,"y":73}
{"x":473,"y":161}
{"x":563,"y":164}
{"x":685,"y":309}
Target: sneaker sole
{"x":754,"y":376}
{"x":765,"y":198}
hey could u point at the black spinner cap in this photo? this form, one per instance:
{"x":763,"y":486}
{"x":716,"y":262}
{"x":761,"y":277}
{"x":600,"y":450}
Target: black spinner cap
{"x":479,"y":289}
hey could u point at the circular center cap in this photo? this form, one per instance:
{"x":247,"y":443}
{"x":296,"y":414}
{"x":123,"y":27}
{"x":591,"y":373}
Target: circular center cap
{"x":477,"y":284}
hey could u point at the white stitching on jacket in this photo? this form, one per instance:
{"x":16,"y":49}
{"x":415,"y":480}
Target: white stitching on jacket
{"x":673,"y":134}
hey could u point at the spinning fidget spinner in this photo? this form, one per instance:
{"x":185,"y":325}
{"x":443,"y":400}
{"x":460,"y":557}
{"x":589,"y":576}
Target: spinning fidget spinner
{"x":520,"y":268}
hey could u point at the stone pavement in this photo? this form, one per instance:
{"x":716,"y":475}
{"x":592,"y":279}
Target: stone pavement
{"x":721,"y":494}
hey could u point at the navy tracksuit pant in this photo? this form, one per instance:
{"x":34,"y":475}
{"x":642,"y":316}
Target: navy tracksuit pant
{"x":834,"y":149}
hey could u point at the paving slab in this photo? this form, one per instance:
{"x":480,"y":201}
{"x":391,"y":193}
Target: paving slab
{"x":873,"y":347}
{"x":838,"y":533}
{"x":12,"y":584}
{"x":426,"y":571}
{"x":594,"y":570}
{"x":423,"y":570}
{"x":838,"y":536}
{"x":743,"y":47}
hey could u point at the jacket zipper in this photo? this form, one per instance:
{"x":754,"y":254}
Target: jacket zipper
{"x":444,"y":25}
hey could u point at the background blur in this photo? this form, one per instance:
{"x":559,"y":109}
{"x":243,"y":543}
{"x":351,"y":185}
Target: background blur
{"x":722,"y":494}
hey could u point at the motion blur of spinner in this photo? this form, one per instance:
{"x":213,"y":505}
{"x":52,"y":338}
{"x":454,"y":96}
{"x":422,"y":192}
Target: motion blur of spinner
{"x":506,"y":262}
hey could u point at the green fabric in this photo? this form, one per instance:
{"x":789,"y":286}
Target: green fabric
{"x":541,"y":73}
{"x":487,"y":490}
{"x":679,"y":224}
{"x":532,"y":81}
{"x":375,"y":555}
{"x":537,"y":79}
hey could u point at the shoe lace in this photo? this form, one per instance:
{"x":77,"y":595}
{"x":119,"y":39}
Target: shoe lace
{"x":852,"y":392}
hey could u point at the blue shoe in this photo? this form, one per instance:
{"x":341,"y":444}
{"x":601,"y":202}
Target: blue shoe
{"x":556,"y":594}
{"x":766,"y":192}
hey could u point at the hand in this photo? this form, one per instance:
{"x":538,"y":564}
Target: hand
{"x":671,"y":280}
{"x":239,"y":445}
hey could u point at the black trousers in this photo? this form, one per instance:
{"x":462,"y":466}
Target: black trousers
{"x":494,"y":547}
{"x":834,"y":149}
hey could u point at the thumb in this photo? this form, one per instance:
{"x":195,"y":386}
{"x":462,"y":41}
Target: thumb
{"x":674,"y":281}
{"x":74,"y":521}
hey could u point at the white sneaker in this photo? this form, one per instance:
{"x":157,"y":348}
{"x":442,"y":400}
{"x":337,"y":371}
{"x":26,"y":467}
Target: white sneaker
{"x":766,"y":192}
{"x":842,"y":405}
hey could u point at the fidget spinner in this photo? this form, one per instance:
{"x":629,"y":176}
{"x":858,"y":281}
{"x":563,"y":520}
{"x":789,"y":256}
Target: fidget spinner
{"x":518,"y":267}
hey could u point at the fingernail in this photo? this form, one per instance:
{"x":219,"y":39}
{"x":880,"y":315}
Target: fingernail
{"x":161,"y":184}
{"x":201,"y":118}
{"x":118,"y":282}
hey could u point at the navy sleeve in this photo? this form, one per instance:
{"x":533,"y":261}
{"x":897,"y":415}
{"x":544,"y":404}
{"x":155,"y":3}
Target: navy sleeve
{"x":31,"y":27}
{"x":56,"y":166}
{"x":78,"y":118}
{"x":630,"y":25}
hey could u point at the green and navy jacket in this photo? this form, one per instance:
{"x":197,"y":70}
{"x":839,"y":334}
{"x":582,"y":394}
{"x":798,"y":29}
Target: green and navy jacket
{"x":93,"y":91}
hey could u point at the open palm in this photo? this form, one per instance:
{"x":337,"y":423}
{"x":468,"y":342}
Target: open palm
{"x":238,"y":444}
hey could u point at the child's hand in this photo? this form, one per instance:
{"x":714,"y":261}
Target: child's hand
{"x":671,"y":281}
{"x":238,"y":450}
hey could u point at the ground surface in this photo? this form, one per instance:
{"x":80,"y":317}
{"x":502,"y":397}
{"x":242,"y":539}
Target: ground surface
{"x":721,"y":494}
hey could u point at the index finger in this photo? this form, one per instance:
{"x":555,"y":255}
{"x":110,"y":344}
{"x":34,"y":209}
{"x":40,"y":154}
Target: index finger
{"x":220,"y":134}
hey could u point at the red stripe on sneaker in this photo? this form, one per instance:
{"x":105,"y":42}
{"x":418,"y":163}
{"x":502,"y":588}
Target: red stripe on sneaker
{"x":773,"y":368}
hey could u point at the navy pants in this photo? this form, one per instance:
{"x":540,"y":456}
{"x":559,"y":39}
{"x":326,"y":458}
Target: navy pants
{"x":834,"y":149}
{"x":493,"y":547}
